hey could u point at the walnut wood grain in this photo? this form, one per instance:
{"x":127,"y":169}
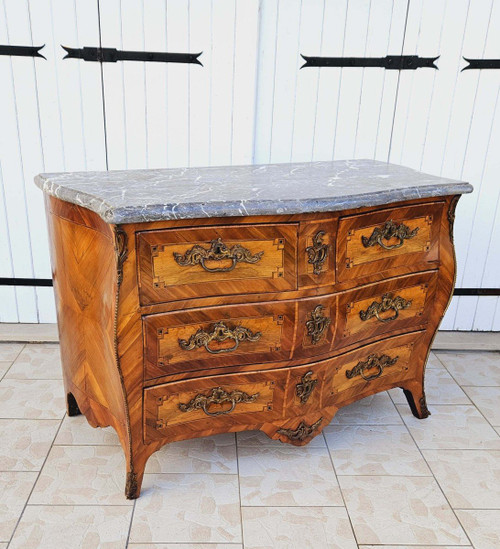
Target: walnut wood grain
{"x":110,"y":344}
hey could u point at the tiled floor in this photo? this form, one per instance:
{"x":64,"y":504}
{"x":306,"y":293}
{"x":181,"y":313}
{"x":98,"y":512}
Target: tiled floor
{"x":376,"y":479}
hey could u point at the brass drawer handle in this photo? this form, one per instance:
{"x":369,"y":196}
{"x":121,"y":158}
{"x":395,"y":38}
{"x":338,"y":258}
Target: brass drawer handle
{"x":220,"y":332}
{"x":318,"y":252}
{"x":373,"y":361}
{"x":305,"y":387}
{"x":317,"y":324}
{"x":387,"y":231}
{"x":218,"y":251}
{"x":217,"y":395}
{"x":388,"y":303}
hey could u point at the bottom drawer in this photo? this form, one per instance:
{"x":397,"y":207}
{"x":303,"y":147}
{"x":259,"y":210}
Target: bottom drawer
{"x":373,"y":368}
{"x":213,"y":404}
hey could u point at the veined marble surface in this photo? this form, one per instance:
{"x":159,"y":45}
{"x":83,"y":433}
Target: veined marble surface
{"x":137,"y":196}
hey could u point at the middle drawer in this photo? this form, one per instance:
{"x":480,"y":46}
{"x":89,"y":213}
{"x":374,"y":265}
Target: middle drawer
{"x":218,"y":337}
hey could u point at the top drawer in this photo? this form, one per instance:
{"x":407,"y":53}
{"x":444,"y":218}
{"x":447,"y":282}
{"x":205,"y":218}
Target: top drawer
{"x":380,"y":241}
{"x":211,"y":261}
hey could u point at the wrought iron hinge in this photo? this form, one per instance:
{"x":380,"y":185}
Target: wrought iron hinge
{"x":112,"y":55}
{"x":390,"y":62}
{"x":22,"y":51}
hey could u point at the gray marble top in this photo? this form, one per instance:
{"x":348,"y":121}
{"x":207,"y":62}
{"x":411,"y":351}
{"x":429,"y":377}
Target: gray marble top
{"x":136,"y":196}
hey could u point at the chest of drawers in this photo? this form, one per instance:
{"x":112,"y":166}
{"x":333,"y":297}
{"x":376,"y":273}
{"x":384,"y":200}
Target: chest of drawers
{"x":201,"y":301}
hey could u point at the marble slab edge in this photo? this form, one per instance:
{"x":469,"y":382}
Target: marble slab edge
{"x":243,"y":208}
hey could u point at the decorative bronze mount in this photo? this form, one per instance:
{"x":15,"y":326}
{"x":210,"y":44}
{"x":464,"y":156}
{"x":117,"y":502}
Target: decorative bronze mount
{"x":220,"y":332}
{"x":218,"y":251}
{"x":317,"y":324}
{"x":318,"y":252}
{"x":387,"y":303}
{"x":217,"y":395}
{"x":388,"y":231}
{"x":305,"y":387}
{"x":373,"y":361}
{"x":121,"y":251}
{"x":302,"y":432}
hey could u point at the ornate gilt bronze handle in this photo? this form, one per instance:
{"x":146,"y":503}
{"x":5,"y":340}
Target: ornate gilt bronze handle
{"x":305,"y":387}
{"x":388,"y":303}
{"x":317,"y":324}
{"x":318,"y":252}
{"x":373,"y":361}
{"x":302,"y":432}
{"x":220,"y":332}
{"x":387,"y":231}
{"x":217,"y":395}
{"x":218,"y":251}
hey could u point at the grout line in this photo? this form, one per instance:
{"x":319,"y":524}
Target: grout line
{"x":340,"y":490}
{"x":239,"y":484}
{"x":130,"y":525}
{"x":36,"y":481}
{"x":436,"y":481}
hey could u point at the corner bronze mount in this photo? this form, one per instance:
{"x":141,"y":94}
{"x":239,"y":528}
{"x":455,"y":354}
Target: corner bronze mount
{"x":131,"y":486}
{"x":386,"y":232}
{"x":217,"y":395}
{"x":318,"y":252}
{"x":317,"y":324}
{"x":218,"y":251}
{"x":373,"y":361}
{"x":220,"y":332}
{"x":387,"y":303}
{"x":451,"y":214}
{"x":302,"y":432}
{"x":121,"y":251}
{"x":305,"y":387}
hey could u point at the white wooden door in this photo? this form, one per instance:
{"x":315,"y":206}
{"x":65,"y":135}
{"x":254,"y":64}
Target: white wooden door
{"x":249,"y":103}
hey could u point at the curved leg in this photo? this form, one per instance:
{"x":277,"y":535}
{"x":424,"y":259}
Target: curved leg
{"x":417,"y":402}
{"x":135,"y":473}
{"x":72,"y":405}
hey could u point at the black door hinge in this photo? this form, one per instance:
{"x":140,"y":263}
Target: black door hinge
{"x":22,"y":51}
{"x":112,"y":55}
{"x":481,"y":64}
{"x":390,"y":62}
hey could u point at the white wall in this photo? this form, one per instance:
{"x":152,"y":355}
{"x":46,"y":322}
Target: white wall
{"x":249,"y":103}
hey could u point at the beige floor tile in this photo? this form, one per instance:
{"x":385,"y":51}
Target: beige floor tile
{"x":287,"y":476}
{"x":415,"y":547}
{"x":4,"y":366}
{"x":452,"y":427}
{"x":487,"y":400}
{"x":184,"y":546}
{"x":482,"y":527}
{"x":434,"y":362}
{"x":82,"y":475}
{"x":297,"y":528}
{"x":77,"y":431}
{"x":216,"y":454}
{"x":440,"y":388}
{"x":10,"y":351}
{"x":187,"y":508}
{"x":469,"y":478}
{"x":15,"y":489}
{"x":72,"y":527}
{"x":3,"y":545}
{"x":374,"y":450}
{"x":476,"y":369}
{"x":32,"y":399}
{"x":25,"y":443}
{"x":400,"y":510}
{"x":373,"y":410}
{"x":258,"y":438}
{"x":37,"y":361}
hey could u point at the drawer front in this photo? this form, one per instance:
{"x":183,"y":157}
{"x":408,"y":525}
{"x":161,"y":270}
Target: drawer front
{"x":213,"y":404}
{"x":381,"y":241}
{"x":211,"y":261}
{"x":400,"y":304}
{"x":370,"y":368}
{"x":216,"y":337}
